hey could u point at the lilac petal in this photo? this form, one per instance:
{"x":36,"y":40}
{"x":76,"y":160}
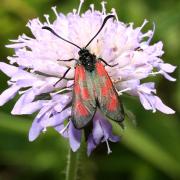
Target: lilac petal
{"x":46,"y":88}
{"x":148,"y":87}
{"x":60,"y":129}
{"x":25,"y":82}
{"x":18,"y":45}
{"x":167,"y":67}
{"x":56,"y":119}
{"x":144,"y":101}
{"x":114,"y":138}
{"x":26,"y":98}
{"x":107,"y":129}
{"x":162,"y":107}
{"x":132,"y":84}
{"x":97,"y":129}
{"x":168,"y":77}
{"x":23,"y":75}
{"x":35,"y":130}
{"x":74,"y":137}
{"x":8,"y":94}
{"x":30,"y":108}
{"x":90,"y":145}
{"x":8,"y":69}
{"x":25,"y":101}
{"x":152,"y":34}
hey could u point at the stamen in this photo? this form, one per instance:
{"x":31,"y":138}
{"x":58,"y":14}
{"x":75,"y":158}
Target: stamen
{"x":108,"y":148}
{"x":44,"y":130}
{"x":60,"y":91}
{"x":147,"y":34}
{"x":47,"y":19}
{"x":80,"y":5}
{"x":74,"y":11}
{"x":151,"y":36}
{"x":22,"y":92}
{"x":156,"y":73}
{"x":92,"y":7}
{"x":103,"y":3}
{"x":113,"y":10}
{"x":62,"y":131}
{"x":55,"y":11}
{"x":144,"y":23}
{"x":124,"y":90}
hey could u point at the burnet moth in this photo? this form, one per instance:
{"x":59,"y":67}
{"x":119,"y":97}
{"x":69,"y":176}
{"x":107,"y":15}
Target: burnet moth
{"x":93,"y":87}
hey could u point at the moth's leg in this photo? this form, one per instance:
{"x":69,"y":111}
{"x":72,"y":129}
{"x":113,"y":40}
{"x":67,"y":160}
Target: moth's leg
{"x":48,"y":75}
{"x":107,"y":63}
{"x":67,"y":60}
{"x":64,"y":75}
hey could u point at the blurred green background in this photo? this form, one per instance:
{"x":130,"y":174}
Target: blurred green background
{"x":150,"y":151}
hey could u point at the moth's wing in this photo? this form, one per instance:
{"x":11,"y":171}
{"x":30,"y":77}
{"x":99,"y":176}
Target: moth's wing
{"x":84,"y":103}
{"x":108,"y":100}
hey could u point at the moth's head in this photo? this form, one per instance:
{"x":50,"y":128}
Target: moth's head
{"x":83,"y":52}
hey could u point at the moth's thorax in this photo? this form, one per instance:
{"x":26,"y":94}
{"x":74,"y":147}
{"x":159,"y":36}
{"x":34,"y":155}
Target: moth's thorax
{"x":87,"y":59}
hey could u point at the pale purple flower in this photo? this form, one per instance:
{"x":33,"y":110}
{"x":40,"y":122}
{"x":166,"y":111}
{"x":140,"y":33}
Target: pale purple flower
{"x":35,"y":69}
{"x":102,"y":132}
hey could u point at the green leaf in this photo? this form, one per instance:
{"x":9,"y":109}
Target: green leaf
{"x":146,"y":147}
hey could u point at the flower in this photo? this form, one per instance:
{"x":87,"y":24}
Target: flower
{"x":35,"y":69}
{"x":102,"y":132}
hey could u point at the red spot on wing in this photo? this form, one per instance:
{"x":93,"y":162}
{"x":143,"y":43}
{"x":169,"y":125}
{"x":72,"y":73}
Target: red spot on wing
{"x":109,"y":83}
{"x":81,"y":109}
{"x":81,"y":72}
{"x":107,"y":86}
{"x":77,"y":89}
{"x":104,"y":91}
{"x":113,"y":103}
{"x":100,"y":69}
{"x":76,"y":74}
{"x":85,"y":93}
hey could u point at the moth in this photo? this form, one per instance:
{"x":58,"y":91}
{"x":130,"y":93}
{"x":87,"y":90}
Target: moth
{"x":93,"y":87}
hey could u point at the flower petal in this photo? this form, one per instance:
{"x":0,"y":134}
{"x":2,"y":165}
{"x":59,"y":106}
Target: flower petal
{"x":167,"y":67}
{"x":9,"y":70}
{"x":74,"y":137}
{"x":97,"y":129}
{"x":30,"y":108}
{"x":162,"y":107}
{"x":26,"y":98}
{"x":90,"y":145}
{"x":56,"y":119}
{"x":107,"y":129}
{"x":35,"y":130}
{"x":144,"y":101}
{"x":167,"y":76}
{"x":8,"y":94}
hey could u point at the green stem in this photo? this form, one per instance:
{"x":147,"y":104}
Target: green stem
{"x":79,"y":166}
{"x":72,"y":165}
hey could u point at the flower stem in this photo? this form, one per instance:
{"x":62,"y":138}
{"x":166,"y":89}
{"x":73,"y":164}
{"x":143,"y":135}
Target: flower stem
{"x":72,"y":165}
{"x":79,"y":165}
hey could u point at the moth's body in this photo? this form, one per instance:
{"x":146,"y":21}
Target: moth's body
{"x":87,"y":59}
{"x":93,"y":89}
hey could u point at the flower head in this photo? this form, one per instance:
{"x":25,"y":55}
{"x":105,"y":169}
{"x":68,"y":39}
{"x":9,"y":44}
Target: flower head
{"x":35,"y":70}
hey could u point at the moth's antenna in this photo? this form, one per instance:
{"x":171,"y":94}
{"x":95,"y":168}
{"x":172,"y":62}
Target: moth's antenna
{"x":53,"y":32}
{"x":104,"y":22}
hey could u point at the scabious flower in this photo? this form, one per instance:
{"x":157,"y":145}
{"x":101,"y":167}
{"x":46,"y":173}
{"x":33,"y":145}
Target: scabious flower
{"x":35,"y":68}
